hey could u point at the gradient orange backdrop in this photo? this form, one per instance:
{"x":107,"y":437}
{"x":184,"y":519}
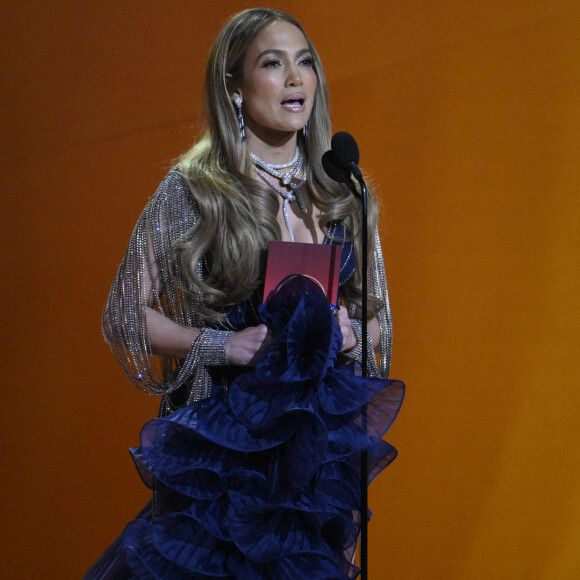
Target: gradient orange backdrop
{"x":468,"y":121}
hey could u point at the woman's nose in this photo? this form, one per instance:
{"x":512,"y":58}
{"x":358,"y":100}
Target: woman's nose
{"x":294,"y":77}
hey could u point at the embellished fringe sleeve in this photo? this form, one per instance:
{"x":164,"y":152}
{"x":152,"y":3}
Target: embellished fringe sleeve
{"x":377,"y":286}
{"x":150,"y":276}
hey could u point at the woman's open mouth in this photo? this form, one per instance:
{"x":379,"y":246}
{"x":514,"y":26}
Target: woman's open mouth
{"x":294,"y":103}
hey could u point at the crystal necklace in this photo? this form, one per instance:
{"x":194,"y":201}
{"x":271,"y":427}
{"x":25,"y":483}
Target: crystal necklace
{"x":264,"y":170}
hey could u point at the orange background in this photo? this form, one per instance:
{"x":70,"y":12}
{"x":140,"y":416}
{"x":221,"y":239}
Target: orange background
{"x":468,"y":120}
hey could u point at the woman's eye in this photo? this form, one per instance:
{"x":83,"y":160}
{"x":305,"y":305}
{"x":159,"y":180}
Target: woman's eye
{"x":307,"y":61}
{"x":271,"y":63}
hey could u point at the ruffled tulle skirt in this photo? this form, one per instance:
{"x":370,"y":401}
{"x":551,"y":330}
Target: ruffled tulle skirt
{"x":263,"y":481}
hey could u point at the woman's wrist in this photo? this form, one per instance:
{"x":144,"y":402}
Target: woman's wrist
{"x":211,"y":346}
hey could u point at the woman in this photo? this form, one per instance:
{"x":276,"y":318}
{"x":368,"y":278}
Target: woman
{"x":252,"y":465}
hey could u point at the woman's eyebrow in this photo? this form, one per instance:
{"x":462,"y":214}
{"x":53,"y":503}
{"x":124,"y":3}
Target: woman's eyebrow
{"x":279,"y":52}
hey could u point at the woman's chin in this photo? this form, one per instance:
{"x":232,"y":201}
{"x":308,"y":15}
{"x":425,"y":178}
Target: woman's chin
{"x":274,"y":137}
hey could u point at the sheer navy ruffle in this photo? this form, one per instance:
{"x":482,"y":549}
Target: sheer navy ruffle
{"x":263,"y":481}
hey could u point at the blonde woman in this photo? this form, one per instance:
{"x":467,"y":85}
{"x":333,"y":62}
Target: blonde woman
{"x":252,"y":460}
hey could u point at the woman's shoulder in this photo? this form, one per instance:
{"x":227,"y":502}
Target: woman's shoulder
{"x":172,"y":207}
{"x":173,"y":186}
{"x":174,"y":193}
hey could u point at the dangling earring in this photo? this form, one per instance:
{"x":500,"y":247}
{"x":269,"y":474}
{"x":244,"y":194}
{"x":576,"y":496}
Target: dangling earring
{"x":238,"y":101}
{"x":305,"y":130}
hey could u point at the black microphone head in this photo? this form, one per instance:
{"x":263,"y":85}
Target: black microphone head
{"x":334,"y":167}
{"x":345,"y":148}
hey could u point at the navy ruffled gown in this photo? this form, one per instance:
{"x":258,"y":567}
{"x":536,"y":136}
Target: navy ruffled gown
{"x":262,"y":481}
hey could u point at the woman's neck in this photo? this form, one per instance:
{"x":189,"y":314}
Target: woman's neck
{"x":274,"y":150}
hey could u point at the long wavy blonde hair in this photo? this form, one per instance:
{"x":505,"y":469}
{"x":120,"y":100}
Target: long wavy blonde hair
{"x":237,"y":213}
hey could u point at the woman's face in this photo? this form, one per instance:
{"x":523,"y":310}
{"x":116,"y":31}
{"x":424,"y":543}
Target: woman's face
{"x":279,"y":83}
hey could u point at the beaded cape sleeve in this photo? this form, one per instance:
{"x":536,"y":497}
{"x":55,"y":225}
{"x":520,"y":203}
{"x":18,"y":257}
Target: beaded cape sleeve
{"x":377,"y":366}
{"x":377,"y":286}
{"x":150,"y":276}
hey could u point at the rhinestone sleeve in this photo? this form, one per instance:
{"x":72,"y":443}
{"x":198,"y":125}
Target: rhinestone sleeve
{"x":150,"y":276}
{"x":377,"y":286}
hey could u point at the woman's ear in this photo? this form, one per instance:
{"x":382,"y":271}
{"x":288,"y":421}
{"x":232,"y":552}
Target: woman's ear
{"x":233,"y":91}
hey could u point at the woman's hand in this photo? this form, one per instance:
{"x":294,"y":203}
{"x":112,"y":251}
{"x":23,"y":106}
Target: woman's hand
{"x":348,"y":336}
{"x":244,"y":347}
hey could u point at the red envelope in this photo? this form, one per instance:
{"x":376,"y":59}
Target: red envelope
{"x":318,"y":261}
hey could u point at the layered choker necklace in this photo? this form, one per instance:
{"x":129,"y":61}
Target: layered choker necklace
{"x":265,"y":170}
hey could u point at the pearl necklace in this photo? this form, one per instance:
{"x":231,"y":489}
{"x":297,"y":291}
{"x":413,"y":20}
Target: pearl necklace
{"x":264,"y":170}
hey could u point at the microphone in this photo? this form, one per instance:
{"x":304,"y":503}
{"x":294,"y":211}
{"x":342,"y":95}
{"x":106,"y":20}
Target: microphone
{"x":341,"y":162}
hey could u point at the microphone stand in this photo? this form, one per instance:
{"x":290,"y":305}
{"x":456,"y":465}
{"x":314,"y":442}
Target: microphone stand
{"x":356,"y":173}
